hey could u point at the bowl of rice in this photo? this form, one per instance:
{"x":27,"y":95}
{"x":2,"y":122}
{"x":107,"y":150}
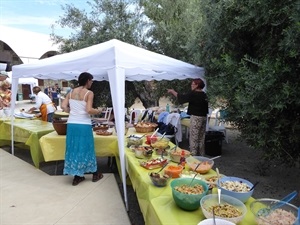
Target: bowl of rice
{"x":230,"y":208}
{"x":284,"y":215}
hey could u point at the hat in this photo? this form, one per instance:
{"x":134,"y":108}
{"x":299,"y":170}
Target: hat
{"x":3,"y":74}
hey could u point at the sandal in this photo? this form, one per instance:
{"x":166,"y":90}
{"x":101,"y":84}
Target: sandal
{"x":97,"y":176}
{"x":77,"y":180}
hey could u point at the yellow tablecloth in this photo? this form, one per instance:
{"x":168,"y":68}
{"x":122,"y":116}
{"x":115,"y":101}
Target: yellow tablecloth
{"x":29,"y":132}
{"x":157,"y":205}
{"x":53,"y":146}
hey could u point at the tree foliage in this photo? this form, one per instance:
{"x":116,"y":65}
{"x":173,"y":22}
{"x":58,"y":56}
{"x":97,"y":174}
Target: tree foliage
{"x":251,"y":51}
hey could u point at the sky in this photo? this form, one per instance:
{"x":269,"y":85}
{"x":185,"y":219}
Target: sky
{"x":36,"y":15}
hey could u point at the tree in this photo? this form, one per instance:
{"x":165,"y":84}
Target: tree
{"x":251,"y":52}
{"x":107,"y":19}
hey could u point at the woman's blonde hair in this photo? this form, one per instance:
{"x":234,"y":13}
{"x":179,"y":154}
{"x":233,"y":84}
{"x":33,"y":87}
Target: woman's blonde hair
{"x":4,"y":83}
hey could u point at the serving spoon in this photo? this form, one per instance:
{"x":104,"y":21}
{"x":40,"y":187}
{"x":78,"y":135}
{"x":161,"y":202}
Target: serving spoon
{"x":266,"y":211}
{"x":195,"y":174}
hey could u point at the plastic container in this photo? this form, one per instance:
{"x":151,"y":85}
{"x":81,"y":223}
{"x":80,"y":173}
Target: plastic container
{"x":213,"y":143}
{"x":218,"y":222}
{"x":287,"y":212}
{"x":235,"y":184}
{"x":236,"y":213}
{"x":189,"y":202}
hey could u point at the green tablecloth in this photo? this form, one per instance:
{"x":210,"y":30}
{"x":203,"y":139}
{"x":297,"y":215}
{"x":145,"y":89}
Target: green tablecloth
{"x":157,"y":203}
{"x":28,"y":132}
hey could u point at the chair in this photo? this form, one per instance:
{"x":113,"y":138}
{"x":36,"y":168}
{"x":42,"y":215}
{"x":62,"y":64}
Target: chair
{"x":220,"y":124}
{"x":106,"y":117}
{"x":134,"y":116}
{"x":174,"y":119}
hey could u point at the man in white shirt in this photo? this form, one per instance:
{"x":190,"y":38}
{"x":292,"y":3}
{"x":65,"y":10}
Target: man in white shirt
{"x":44,"y":104}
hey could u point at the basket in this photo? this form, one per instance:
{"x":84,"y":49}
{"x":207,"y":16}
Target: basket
{"x":60,"y":127}
{"x":145,"y":129}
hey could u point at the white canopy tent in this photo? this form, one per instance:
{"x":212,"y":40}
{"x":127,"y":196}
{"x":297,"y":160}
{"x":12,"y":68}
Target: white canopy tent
{"x":116,"y":62}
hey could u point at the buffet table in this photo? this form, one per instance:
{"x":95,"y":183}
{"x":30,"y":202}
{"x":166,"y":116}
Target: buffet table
{"x":26,"y":131}
{"x":157,"y":204}
{"x":53,"y":146}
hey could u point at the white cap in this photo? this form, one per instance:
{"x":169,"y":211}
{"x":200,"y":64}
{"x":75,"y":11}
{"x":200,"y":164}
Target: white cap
{"x":3,"y":74}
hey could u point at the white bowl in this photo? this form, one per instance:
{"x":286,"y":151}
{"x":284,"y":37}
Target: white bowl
{"x":218,"y":222}
{"x":210,"y":201}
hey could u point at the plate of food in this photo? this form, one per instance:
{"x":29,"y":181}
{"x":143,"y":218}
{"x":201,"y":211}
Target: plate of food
{"x":153,"y":163}
{"x":103,"y":132}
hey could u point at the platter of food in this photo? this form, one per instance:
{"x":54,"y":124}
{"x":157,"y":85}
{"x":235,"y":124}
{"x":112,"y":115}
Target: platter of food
{"x":103,"y":132}
{"x":153,"y":163}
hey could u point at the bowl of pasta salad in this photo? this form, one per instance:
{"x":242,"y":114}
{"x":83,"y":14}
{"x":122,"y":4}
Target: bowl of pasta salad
{"x":230,"y":208}
{"x":236,"y":187}
{"x":187,"y":194}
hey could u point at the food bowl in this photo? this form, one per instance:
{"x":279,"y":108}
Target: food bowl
{"x":175,"y":155}
{"x":149,"y":139}
{"x":142,"y":152}
{"x":163,"y":152}
{"x":136,"y":141}
{"x":190,"y":198}
{"x":139,"y":153}
{"x":205,"y":166}
{"x":284,"y":215}
{"x":212,"y":180}
{"x":235,"y":187}
{"x":173,"y":171}
{"x":161,"y":143}
{"x":218,"y":222}
{"x":101,"y":127}
{"x":230,"y":208}
{"x":60,"y":127}
{"x":159,"y":180}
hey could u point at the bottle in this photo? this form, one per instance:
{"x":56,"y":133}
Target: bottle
{"x":182,"y":159}
{"x":168,"y":107}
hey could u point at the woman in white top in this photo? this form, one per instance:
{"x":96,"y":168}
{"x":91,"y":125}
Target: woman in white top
{"x":80,"y":154}
{"x":44,"y":104}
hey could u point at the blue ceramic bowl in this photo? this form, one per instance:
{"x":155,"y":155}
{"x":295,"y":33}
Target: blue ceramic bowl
{"x":234,"y":190}
{"x":189,"y":202}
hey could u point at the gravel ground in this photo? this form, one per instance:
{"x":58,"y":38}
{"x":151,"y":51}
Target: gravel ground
{"x":276,"y":180}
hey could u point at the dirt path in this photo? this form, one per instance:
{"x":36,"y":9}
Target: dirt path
{"x":276,"y":180}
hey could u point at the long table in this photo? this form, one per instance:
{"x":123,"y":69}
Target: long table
{"x":157,"y":204}
{"x":28,"y":132}
{"x":53,"y":146}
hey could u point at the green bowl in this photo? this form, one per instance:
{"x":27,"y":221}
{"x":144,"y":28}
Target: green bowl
{"x":189,"y":202}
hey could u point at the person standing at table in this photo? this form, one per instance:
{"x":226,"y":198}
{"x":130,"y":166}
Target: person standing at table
{"x":3,"y":75}
{"x":5,"y":98}
{"x":198,"y":110}
{"x":44,"y":104}
{"x":80,"y":155}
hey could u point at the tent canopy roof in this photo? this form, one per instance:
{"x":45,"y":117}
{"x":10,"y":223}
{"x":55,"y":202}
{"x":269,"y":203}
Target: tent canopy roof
{"x":138,"y":63}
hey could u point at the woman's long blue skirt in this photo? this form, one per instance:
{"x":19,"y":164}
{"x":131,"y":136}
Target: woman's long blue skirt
{"x":80,"y":155}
